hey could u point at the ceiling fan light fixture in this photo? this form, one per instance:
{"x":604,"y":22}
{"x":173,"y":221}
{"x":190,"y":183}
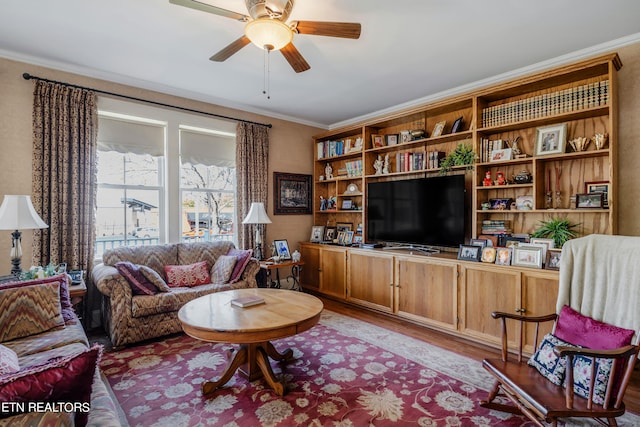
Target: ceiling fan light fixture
{"x":268,"y":32}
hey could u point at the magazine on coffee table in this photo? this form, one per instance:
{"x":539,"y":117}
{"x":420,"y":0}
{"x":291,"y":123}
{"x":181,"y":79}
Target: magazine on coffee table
{"x":247,"y":301}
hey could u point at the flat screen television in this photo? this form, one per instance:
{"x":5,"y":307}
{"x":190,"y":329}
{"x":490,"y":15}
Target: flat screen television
{"x":425,"y":211}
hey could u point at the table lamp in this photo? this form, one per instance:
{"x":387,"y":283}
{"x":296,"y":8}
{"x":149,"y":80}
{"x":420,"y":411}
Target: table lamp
{"x":17,"y":213}
{"x":257,"y":215}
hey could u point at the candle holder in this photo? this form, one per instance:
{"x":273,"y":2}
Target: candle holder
{"x":558,"y":200}
{"x":549,"y":200}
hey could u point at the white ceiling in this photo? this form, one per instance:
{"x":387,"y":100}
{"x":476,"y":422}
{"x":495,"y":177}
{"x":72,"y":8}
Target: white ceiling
{"x":409,"y":50}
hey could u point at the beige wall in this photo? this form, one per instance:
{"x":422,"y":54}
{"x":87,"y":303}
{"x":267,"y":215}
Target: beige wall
{"x":290,"y":146}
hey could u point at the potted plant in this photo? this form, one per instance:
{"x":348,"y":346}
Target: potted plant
{"x":558,"y":229}
{"x":462,"y":155}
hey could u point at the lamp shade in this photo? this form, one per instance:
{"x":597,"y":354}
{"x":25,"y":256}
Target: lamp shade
{"x":267,"y":33}
{"x":18,"y":213}
{"x":257,"y":214}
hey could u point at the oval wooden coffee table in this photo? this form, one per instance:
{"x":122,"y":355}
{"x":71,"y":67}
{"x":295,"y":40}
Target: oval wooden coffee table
{"x":284,"y":313}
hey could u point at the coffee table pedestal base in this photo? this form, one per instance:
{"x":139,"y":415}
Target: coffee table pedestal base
{"x":252,"y":362}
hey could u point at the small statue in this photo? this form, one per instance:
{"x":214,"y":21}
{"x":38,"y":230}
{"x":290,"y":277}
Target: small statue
{"x":385,"y":168}
{"x":500,"y":179}
{"x":514,"y":147}
{"x":328,"y":171}
{"x":323,"y":204}
{"x":487,"y":181}
{"x":377,"y":165}
{"x":295,"y":256}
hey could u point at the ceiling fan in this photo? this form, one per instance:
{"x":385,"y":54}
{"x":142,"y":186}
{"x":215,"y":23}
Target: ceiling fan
{"x":266,"y":27}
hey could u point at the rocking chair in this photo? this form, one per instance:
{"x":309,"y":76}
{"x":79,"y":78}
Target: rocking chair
{"x":599,"y":294}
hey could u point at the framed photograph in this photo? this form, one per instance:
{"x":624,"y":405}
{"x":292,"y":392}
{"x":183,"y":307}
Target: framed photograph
{"x":438,"y":128}
{"x":317,"y":234}
{"x":344,"y":226}
{"x":553,"y":259}
{"x":527,"y":256}
{"x":457,"y":125}
{"x":488,"y":254}
{"x":340,"y":237}
{"x":470,"y":253}
{"x":500,"y":155}
{"x":500,"y":204}
{"x":549,"y":242}
{"x":551,"y":140}
{"x":405,"y":136}
{"x":392,"y":139}
{"x":512,"y":243}
{"x":377,"y":141}
{"x":292,"y":194}
{"x":282,"y":249}
{"x":524,"y":203}
{"x":590,"y":201}
{"x":598,"y":187}
{"x":357,"y":239}
{"x":348,"y":237}
{"x":503,"y":256}
{"x":330,"y":234}
{"x":543,"y":246}
{"x":347,"y":204}
{"x":479,"y":242}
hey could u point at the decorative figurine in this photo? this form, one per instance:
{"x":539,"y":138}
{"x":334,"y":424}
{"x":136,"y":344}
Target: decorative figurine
{"x":377,"y":165}
{"x":323,"y":204}
{"x":487,"y":181}
{"x":500,"y":179}
{"x":600,"y":139}
{"x":328,"y":171}
{"x":295,"y":256}
{"x":385,"y":168}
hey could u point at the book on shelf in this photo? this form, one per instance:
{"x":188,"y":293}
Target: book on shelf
{"x":247,"y":301}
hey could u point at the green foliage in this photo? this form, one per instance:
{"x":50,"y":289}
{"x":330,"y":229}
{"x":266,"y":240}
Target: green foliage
{"x":461,"y":156}
{"x":558,"y":229}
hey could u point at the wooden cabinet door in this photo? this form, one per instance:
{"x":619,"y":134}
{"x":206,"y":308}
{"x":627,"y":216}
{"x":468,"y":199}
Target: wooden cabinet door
{"x":370,"y":280}
{"x":310,"y":273}
{"x":427,"y":292}
{"x":486,"y":289}
{"x":333,"y":262}
{"x":539,"y":295}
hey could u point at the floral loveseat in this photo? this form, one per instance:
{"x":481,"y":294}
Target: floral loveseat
{"x":45,"y":359}
{"x":133,"y":312}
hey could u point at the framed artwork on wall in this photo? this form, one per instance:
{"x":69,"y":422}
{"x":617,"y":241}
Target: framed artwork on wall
{"x":292,"y":194}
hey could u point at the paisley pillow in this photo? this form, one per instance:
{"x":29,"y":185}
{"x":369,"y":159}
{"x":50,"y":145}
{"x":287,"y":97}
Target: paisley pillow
{"x":187,"y":275}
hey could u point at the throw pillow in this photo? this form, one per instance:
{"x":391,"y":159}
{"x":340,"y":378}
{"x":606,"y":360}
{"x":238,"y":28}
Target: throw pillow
{"x":29,"y":310}
{"x":222,"y":269}
{"x":65,"y":300}
{"x":68,"y":378}
{"x":243,"y":258}
{"x":8,"y":361}
{"x":587,"y":332}
{"x":138,"y":282}
{"x":582,"y":377}
{"x":547,"y":363}
{"x":187,"y":275}
{"x":155,"y":278}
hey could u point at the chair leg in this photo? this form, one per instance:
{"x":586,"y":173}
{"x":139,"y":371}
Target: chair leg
{"x":490,"y":404}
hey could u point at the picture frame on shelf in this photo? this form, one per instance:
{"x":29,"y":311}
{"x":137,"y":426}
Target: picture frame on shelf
{"x":357,"y":239}
{"x":543,"y":246}
{"x":590,"y":201}
{"x":480,"y":242}
{"x":340,"y":237}
{"x":501,"y":155}
{"x":524,"y":203}
{"x":599,"y":187}
{"x":553,"y":259}
{"x":330,"y":234}
{"x":500,"y":204}
{"x":438,"y":128}
{"x":282,"y":249}
{"x":551,"y":140}
{"x":292,"y":193}
{"x":457,"y":125}
{"x":317,"y":234}
{"x":470,"y":253}
{"x":405,"y":136}
{"x":527,"y":256}
{"x":503,"y":256}
{"x":391,"y":139}
{"x":348,"y":238}
{"x":488,"y":254}
{"x":344,"y":226}
{"x":377,"y":141}
{"x":347,"y":205}
{"x":551,"y":244}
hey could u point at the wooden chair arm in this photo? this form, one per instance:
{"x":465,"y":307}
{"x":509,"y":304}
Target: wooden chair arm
{"x":562,"y":351}
{"x":519,"y":317}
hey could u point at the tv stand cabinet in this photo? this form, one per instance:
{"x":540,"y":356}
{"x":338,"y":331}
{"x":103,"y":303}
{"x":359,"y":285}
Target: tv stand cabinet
{"x":437,"y":291}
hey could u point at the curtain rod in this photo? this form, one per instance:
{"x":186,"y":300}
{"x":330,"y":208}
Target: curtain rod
{"x":28,"y":76}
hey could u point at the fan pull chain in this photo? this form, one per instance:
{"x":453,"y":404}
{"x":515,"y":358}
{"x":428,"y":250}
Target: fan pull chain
{"x":266,"y":71}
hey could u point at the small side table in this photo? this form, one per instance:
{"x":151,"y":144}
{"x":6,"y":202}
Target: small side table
{"x":77,"y":293}
{"x":296,"y":267}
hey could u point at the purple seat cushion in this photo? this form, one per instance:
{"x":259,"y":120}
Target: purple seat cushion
{"x":584,"y":331}
{"x":243,"y":258}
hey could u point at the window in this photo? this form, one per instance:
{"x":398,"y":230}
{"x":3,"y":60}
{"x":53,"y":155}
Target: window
{"x":163,"y":176}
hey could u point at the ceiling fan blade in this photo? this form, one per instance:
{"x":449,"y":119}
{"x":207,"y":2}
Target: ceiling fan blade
{"x":294,"y":58}
{"x":234,"y":47}
{"x":204,"y":7}
{"x":347,"y":30}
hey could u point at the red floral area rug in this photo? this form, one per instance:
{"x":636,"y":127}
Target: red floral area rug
{"x":346,"y":373}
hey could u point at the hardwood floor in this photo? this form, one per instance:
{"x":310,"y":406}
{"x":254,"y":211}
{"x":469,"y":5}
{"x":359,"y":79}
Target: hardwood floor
{"x":448,"y":342}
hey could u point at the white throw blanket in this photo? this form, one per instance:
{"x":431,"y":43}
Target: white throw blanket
{"x":600,"y":278}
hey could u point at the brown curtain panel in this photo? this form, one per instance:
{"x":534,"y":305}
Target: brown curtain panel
{"x":65,"y":129}
{"x":252,"y":161}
